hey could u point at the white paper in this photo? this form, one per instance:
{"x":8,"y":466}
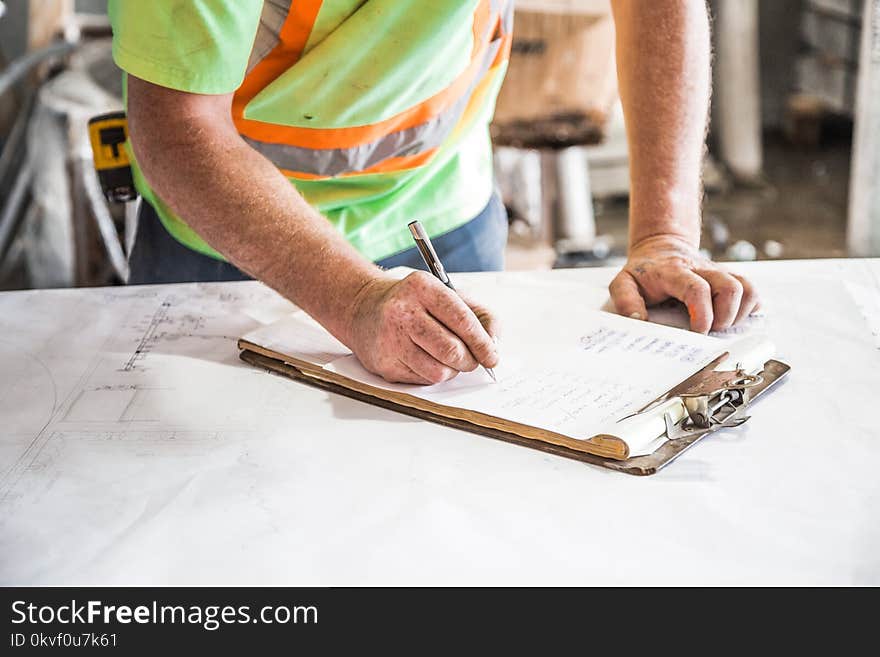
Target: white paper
{"x":673,"y":313}
{"x":299,"y":336}
{"x":867,"y":300}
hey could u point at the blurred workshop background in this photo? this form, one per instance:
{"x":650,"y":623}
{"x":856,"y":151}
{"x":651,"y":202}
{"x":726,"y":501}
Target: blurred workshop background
{"x":791,"y":170}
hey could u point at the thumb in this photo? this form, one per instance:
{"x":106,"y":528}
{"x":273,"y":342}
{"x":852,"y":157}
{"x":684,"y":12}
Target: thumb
{"x":626,"y":296}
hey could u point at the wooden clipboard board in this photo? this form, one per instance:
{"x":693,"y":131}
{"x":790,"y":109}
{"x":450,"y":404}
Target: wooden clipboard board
{"x":773,"y":372}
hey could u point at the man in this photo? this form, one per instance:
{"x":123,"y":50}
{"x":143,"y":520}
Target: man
{"x":294,"y":141}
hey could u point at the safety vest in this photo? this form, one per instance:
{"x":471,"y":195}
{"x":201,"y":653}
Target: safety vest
{"x":407,"y":139}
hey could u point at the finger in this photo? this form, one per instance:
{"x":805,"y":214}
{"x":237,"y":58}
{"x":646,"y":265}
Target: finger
{"x":751,"y":302}
{"x":442,"y":344}
{"x":627,"y":299}
{"x":695,"y":293}
{"x":426,"y":366}
{"x":451,"y":311}
{"x":484,"y":315}
{"x":402,"y":373}
{"x":727,"y":293}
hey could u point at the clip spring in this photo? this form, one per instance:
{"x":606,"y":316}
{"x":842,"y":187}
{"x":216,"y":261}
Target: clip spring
{"x":717,"y":400}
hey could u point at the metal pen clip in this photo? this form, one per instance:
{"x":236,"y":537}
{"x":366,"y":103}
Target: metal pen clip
{"x":429,"y":255}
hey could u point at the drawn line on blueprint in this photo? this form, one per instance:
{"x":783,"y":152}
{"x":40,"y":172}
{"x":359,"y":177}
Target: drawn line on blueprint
{"x":30,"y":355}
{"x":158,"y":317}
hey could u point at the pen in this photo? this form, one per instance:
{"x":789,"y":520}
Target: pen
{"x":429,"y":255}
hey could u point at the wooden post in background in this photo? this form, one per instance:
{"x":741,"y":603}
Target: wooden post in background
{"x":863,"y":225}
{"x":46,"y":19}
{"x":32,"y":24}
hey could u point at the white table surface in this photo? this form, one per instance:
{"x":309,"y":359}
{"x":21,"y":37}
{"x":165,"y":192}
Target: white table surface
{"x":136,"y":448}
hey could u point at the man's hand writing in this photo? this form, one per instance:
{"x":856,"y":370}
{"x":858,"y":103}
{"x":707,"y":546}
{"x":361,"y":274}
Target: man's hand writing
{"x":416,"y":330}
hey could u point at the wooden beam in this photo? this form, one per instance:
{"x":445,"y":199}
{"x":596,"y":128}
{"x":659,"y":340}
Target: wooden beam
{"x":47,"y":19}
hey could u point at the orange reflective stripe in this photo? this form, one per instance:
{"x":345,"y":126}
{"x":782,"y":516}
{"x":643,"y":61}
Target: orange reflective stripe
{"x":391,"y":164}
{"x":291,"y":42}
{"x":359,"y":135}
{"x":504,"y":51}
{"x":482,"y":14}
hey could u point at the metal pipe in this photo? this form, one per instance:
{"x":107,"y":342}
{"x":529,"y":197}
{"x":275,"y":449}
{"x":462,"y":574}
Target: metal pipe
{"x":11,"y":216}
{"x":15,"y":142}
{"x":106,"y":226}
{"x":738,"y":92}
{"x":863,"y":220}
{"x":576,"y":219}
{"x":20,"y":67}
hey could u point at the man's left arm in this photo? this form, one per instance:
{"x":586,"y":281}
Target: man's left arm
{"x":663,"y":62}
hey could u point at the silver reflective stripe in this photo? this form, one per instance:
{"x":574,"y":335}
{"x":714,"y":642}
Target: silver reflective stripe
{"x":495,"y":6}
{"x":507,"y":17}
{"x":410,"y":141}
{"x":269,"y":31}
{"x":503,"y":8}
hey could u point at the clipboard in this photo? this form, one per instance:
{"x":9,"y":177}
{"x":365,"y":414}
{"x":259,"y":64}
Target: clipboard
{"x":719,"y":400}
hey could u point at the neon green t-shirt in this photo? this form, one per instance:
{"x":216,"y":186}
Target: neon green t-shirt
{"x":321,"y":79}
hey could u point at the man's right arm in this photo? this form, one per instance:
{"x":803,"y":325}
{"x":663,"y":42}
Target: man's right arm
{"x":187,"y":146}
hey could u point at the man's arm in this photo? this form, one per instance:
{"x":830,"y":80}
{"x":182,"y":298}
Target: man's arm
{"x":414,"y":330}
{"x":663,"y":62}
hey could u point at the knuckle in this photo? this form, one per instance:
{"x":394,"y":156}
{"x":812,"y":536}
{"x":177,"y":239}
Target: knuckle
{"x":462,"y":318}
{"x":745,"y":283}
{"x":486,"y":347}
{"x":677,"y":262}
{"x":418,"y":280}
{"x":696,"y":289}
{"x":437,"y":374}
{"x":452,"y":353}
{"x":749,"y":295}
{"x":730,"y":289}
{"x":485,"y":353}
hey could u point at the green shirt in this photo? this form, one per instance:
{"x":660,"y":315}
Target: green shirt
{"x":363,"y":62}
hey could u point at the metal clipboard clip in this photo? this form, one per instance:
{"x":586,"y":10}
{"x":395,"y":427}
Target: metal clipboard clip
{"x":716,"y":400}
{"x":715,"y":397}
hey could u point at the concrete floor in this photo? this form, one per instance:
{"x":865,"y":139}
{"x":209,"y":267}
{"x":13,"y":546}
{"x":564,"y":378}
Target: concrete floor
{"x":803,"y":204}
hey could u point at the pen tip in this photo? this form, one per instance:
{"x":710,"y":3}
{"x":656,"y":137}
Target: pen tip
{"x":491,"y":373}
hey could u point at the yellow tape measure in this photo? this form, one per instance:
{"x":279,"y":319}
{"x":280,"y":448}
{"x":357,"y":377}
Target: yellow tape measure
{"x":108,"y":134}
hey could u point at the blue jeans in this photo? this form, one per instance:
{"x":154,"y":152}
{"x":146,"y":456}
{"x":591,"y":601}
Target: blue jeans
{"x":159,"y":258}
{"x":478,"y":245}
